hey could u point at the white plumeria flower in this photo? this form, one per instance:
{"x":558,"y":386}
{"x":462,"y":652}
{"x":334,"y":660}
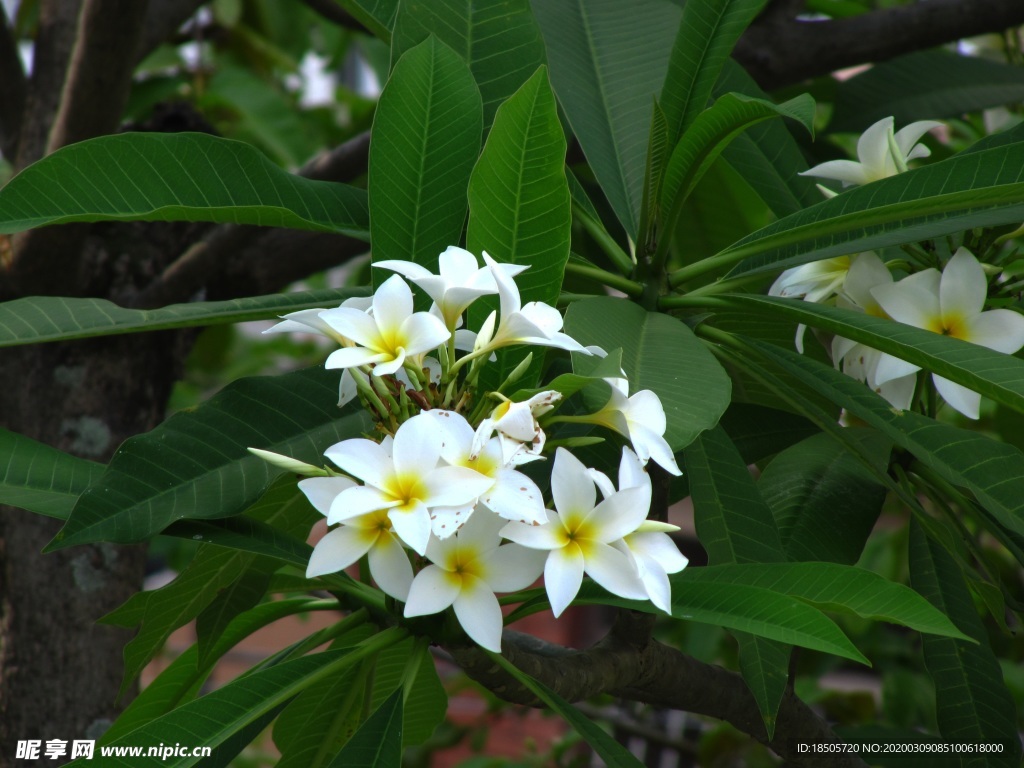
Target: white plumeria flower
{"x":882,"y":372}
{"x":580,"y":535}
{"x":309,"y":321}
{"x":461,"y":281}
{"x":388,"y":334}
{"x":641,"y":419}
{"x":512,"y":494}
{"x":467,"y":569}
{"x":952,"y":304}
{"x":403,"y":477}
{"x":817,"y":281}
{"x":519,"y":435}
{"x":880,"y":153}
{"x":649,"y":546}
{"x":371,"y":534}
{"x":532,"y":323}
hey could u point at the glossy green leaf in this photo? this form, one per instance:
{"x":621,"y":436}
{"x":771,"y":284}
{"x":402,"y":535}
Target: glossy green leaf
{"x":759,"y":432}
{"x":244,"y":593}
{"x":184,"y":676}
{"x":212,"y":719}
{"x":661,"y":354}
{"x":753,"y":609}
{"x":519,"y":204}
{"x":824,"y":501}
{"x":40,"y":478}
{"x":735,"y":525}
{"x":244,"y":534}
{"x":766,"y":155}
{"x":425,"y":139}
{"x":992,"y":471}
{"x":378,"y":743}
{"x":53,"y":318}
{"x":196,"y":464}
{"x":924,"y":85}
{"x":710,"y":133}
{"x":973,"y":189}
{"x":993,"y":374}
{"x":498,"y":39}
{"x":606,"y":82}
{"x":973,"y":704}
{"x":378,"y":16}
{"x":707,"y":34}
{"x":608,"y":749}
{"x":175,"y":177}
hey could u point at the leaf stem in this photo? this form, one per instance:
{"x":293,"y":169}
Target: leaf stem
{"x":624,"y":284}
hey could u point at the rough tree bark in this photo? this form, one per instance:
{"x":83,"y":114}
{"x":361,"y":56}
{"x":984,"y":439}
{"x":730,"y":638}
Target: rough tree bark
{"x":59,"y":672}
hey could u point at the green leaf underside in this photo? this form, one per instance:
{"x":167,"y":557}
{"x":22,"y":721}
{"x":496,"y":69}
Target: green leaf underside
{"x":973,"y":704}
{"x":196,"y":465}
{"x":605,"y":83}
{"x":51,"y":318}
{"x":212,"y":719}
{"x":710,"y":133}
{"x":974,"y":189}
{"x":378,"y":743}
{"x":425,"y":139}
{"x":661,"y":354}
{"x":735,"y":525}
{"x":992,"y":471}
{"x":807,"y":483}
{"x":42,"y":479}
{"x":991,"y":373}
{"x":498,"y":39}
{"x":175,"y":177}
{"x":610,"y":751}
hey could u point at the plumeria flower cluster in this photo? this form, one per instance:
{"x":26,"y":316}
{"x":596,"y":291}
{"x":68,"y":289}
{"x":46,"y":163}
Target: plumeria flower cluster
{"x":950,"y":302}
{"x":438,"y":505}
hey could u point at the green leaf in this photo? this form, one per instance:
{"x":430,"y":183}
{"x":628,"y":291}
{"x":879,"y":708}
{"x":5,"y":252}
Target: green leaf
{"x":211,"y":574}
{"x":710,"y":133}
{"x":807,"y":483}
{"x":759,"y":432}
{"x":50,"y":318}
{"x":706,"y":36}
{"x":498,"y":39}
{"x":973,"y":704}
{"x":40,"y":478}
{"x":735,"y":525}
{"x":175,"y":177}
{"x":196,"y":464}
{"x":245,"y":535}
{"x":993,"y":374}
{"x":245,"y":592}
{"x":973,"y":189}
{"x":212,"y":719}
{"x":766,"y":156}
{"x":425,"y":138}
{"x":661,"y":354}
{"x":992,"y":471}
{"x":925,"y":84}
{"x":605,"y":82}
{"x":378,"y":16}
{"x":183,"y":678}
{"x":520,"y":209}
{"x":378,"y":743}
{"x":608,"y":749}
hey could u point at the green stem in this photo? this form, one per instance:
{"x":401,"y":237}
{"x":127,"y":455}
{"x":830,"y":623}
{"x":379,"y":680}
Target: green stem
{"x":606,"y":243}
{"x":710,"y":264}
{"x":690,"y":301}
{"x":624,"y":284}
{"x":726,"y":285}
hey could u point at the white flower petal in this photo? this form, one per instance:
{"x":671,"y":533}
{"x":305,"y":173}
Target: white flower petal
{"x":659,"y":548}
{"x":409,"y":269}
{"x":321,"y":491}
{"x":478,"y":612}
{"x":516,"y":497}
{"x":998,"y":329}
{"x":432,"y":591}
{"x":563,"y":575}
{"x":899,"y":392}
{"x":513,"y":567}
{"x":392,"y":303}
{"x":350,"y":357}
{"x":455,"y":486}
{"x":422,"y":332}
{"x":571,"y":486}
{"x":908,"y":136}
{"x":390,"y":568}
{"x":963,"y":288}
{"x":362,"y":458}
{"x":908,"y":303}
{"x":614,"y":571}
{"x":847,"y":171}
{"x":960,"y":398}
{"x":417,"y":447}
{"x":888,"y":368}
{"x":619,"y":514}
{"x":352,"y":324}
{"x":339,"y":549}
{"x":412,"y":525}
{"x":357,"y":501}
{"x":549,"y":536}
{"x":873,"y":150}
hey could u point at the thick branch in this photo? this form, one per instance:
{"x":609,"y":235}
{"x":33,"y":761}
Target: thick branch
{"x":655,"y":674}
{"x":12,"y":88}
{"x":777,"y":50}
